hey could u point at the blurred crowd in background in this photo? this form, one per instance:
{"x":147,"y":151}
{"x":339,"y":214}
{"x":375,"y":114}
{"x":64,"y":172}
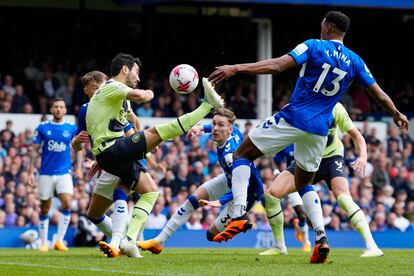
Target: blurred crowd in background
{"x":385,"y":193}
{"x":30,"y":90}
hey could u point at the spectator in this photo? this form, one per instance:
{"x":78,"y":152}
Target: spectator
{"x":194,"y":222}
{"x":8,"y":86}
{"x":156,"y":220}
{"x":398,"y":220}
{"x":145,"y":110}
{"x":380,"y":176}
{"x":181,"y":181}
{"x":19,"y":100}
{"x":11,"y":215}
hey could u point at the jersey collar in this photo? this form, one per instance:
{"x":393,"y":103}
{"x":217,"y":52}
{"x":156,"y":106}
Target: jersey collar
{"x":222,"y":146}
{"x":335,"y":40}
{"x":55,"y":123}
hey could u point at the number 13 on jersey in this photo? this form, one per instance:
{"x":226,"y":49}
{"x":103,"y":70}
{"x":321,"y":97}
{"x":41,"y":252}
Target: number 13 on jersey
{"x":336,"y":86}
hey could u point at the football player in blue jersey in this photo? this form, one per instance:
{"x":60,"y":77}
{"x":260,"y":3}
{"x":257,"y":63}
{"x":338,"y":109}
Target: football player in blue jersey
{"x":328,"y":68}
{"x":228,"y":138}
{"x":54,"y":138}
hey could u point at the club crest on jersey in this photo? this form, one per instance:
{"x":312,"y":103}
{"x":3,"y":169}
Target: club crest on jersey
{"x":135,"y":138}
{"x":49,"y":132}
{"x":66,"y":134}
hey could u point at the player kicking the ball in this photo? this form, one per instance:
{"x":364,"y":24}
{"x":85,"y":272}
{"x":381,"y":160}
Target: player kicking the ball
{"x":106,"y":187}
{"x":107,"y":116}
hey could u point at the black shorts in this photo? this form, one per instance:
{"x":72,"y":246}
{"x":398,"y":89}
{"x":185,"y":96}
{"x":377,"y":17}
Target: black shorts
{"x":329,"y":168}
{"x":121,"y":159}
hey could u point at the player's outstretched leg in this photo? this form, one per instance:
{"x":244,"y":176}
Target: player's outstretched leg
{"x":357,"y":218}
{"x":274,"y":214}
{"x":180,"y":216}
{"x":312,"y":206}
{"x":182,"y":124}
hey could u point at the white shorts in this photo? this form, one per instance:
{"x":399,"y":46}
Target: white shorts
{"x":48,"y":184}
{"x":270,"y":138}
{"x":295,"y":199}
{"x":216,"y":187}
{"x":106,"y":185}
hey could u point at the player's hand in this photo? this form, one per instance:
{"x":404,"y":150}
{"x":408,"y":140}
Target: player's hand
{"x":359,"y":165}
{"x":82,"y":137}
{"x":222,"y":73}
{"x":194,"y":132}
{"x":93,"y":170}
{"x":401,"y":121}
{"x":214,"y":203}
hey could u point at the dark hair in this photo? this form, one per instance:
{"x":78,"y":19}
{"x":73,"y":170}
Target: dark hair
{"x":97,"y":76}
{"x":122,"y":59}
{"x":226,"y":113}
{"x":52,"y":101}
{"x":340,"y":20}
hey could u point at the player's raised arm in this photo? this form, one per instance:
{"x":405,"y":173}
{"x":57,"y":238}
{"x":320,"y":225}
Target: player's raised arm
{"x":140,"y":96}
{"x":387,"y":104}
{"x":268,"y":66}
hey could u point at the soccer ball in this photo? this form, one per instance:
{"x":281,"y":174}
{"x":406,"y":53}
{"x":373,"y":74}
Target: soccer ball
{"x":183,"y":78}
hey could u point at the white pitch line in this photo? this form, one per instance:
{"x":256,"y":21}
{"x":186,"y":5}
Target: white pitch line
{"x":75,"y":268}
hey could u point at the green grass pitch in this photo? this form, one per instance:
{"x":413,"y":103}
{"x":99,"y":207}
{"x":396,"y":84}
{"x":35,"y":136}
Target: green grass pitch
{"x":174,"y":261}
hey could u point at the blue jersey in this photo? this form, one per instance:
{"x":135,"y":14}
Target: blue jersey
{"x":286,"y":155}
{"x":225,"y":157}
{"x":82,"y":120}
{"x":328,"y":68}
{"x":55,"y":139}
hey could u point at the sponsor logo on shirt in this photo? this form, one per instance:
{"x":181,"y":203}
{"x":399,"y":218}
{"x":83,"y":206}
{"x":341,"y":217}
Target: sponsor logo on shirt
{"x":56,"y":146}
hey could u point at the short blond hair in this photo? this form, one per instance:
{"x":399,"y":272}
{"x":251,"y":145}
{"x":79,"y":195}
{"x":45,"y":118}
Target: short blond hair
{"x":227,"y":113}
{"x":97,"y":76}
